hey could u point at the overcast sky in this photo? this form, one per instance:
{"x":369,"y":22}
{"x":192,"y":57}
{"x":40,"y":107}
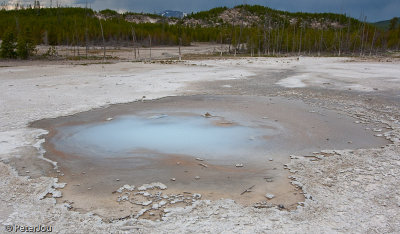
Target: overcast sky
{"x":374,"y":10}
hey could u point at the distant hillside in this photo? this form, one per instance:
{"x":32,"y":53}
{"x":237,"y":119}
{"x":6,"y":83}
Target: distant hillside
{"x":384,"y":25}
{"x":243,"y":15}
{"x":248,"y":15}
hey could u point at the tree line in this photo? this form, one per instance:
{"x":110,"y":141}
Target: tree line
{"x":275,"y":33}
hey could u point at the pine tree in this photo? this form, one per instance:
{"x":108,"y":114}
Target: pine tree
{"x":7,"y":49}
{"x":25,"y":47}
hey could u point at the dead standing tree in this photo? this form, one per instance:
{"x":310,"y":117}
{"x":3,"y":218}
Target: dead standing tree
{"x":180,"y":44}
{"x":104,"y":42}
{"x":86,"y":31}
{"x":372,"y":43}
{"x":150,"y":45}
{"x":134,"y":41}
{"x":362,"y":38}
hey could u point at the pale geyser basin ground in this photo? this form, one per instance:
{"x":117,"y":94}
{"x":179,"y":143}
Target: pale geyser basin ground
{"x":156,"y":141}
{"x":353,"y":191}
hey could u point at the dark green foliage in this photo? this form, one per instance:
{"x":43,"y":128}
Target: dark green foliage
{"x":393,"y":23}
{"x":21,"y":47}
{"x":384,"y":25}
{"x":272,"y":32}
{"x":76,"y":26}
{"x":7,"y":49}
{"x":25,"y":47}
{"x":108,"y":12}
{"x":208,"y":14}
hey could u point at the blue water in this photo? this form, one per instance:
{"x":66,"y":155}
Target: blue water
{"x":189,"y":135}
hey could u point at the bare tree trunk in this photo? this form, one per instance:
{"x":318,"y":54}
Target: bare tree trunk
{"x":240,"y":37}
{"x":340,"y":42}
{"x":362,"y":38}
{"x":348,"y":36}
{"x":86,"y":32}
{"x":133,"y":41}
{"x":301,"y":33}
{"x":269,"y":35}
{"x":365,"y":42}
{"x":372,"y":43}
{"x":104,"y":41}
{"x":321,"y":42}
{"x":265,"y":40}
{"x":277,"y":39}
{"x":150,"y":46}
{"x":282,"y":37}
{"x":287,"y":42}
{"x":233,"y":36}
{"x":221,"y":45}
{"x":180,"y":43}
{"x":259,"y":45}
{"x":294,"y":39}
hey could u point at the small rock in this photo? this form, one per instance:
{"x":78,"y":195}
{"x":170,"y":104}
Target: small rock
{"x":178,"y":163}
{"x":146,"y":194}
{"x":280,"y":206}
{"x":203,"y":165}
{"x":109,"y":119}
{"x":239,"y":165}
{"x":269,"y":196}
{"x":173,"y":179}
{"x":207,"y":115}
{"x":271,"y":159}
{"x":27,"y":171}
{"x":197,"y":177}
{"x":152,"y":186}
{"x":147,"y":203}
{"x":199,"y":159}
{"x":89,"y":188}
{"x":350,"y":142}
{"x":126,"y":187}
{"x":117,"y":179}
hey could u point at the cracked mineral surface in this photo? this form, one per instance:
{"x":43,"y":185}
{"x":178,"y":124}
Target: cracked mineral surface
{"x":352,"y":190}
